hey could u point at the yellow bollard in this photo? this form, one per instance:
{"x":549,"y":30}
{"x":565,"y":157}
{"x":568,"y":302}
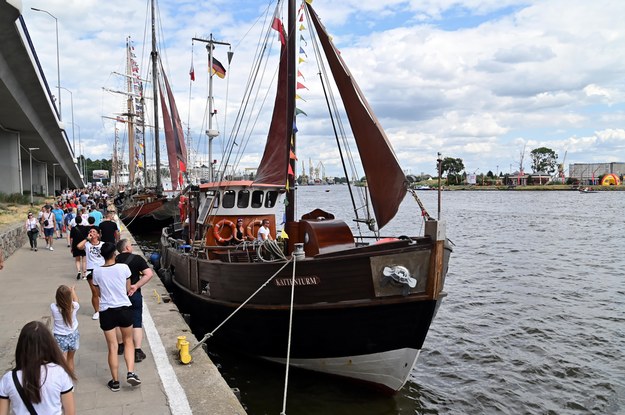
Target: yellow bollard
{"x":180,"y":340}
{"x":185,"y":357}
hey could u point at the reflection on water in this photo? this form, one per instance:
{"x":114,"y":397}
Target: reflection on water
{"x":534,"y":321}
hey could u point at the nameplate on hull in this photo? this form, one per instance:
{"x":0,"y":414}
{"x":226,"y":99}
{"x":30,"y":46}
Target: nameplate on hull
{"x":286,"y":282}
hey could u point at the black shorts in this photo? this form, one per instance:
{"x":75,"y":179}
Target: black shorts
{"x":115,"y":317}
{"x":78,"y":252}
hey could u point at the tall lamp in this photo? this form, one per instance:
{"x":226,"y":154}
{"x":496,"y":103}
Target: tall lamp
{"x":58,"y":66}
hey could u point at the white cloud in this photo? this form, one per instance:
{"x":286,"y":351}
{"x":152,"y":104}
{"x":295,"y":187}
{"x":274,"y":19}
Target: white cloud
{"x":462,"y":77}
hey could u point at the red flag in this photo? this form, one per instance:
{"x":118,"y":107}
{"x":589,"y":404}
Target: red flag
{"x":277,"y":25}
{"x":192,"y":73}
{"x":291,"y":170}
{"x":301,"y":86}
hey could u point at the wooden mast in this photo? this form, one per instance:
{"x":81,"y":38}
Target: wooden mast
{"x":291,"y":53}
{"x":157,"y":150}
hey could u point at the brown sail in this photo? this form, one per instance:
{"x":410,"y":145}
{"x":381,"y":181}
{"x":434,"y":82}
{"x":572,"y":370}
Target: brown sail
{"x":385,"y":178}
{"x":176,"y":149}
{"x":273,"y":166}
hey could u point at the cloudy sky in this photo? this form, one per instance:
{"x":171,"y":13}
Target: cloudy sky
{"x":478,"y":80}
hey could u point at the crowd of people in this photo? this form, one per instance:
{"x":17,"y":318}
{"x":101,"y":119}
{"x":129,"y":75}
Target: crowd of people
{"x":42,"y":380}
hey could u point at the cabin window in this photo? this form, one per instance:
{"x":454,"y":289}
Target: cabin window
{"x":229,"y":198}
{"x":257,"y":198}
{"x":272,"y":196}
{"x":243,"y":200}
{"x":211,"y":198}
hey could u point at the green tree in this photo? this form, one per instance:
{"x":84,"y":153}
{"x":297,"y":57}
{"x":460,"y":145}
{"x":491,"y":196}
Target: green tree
{"x":451,"y":166}
{"x":544,"y":159}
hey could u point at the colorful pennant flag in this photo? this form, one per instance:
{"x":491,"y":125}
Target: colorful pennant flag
{"x":299,"y":111}
{"x":301,"y":39}
{"x":298,"y":97}
{"x":301,"y":60}
{"x":300,"y":75}
{"x":301,"y":86}
{"x":301,"y":27}
{"x":302,"y":51}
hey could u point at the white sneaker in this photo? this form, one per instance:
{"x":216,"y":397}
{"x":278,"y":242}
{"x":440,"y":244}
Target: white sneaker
{"x":51,"y":249}
{"x":96,"y":316}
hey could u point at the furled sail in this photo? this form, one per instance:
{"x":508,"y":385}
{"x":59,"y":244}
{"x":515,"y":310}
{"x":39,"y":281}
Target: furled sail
{"x":385,"y":178}
{"x":174,"y":138}
{"x":273,"y":166}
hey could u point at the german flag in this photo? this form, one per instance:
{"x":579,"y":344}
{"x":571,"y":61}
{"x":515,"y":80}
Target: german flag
{"x":218,"y":69}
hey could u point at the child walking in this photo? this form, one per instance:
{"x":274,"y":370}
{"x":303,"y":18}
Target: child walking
{"x":65,"y":322}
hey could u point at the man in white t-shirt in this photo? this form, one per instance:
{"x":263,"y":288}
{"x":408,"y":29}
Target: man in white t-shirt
{"x":263,"y":231}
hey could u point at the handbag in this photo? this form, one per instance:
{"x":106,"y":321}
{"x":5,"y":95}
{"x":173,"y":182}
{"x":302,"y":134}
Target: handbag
{"x":20,"y":390}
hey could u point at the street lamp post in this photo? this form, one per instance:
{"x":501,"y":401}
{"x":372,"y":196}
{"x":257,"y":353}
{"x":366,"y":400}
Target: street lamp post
{"x":58,"y":66}
{"x":30,"y":153}
{"x":71,"y":100}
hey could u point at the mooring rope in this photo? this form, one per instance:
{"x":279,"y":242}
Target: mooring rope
{"x":288,"y":348}
{"x":137,"y":214}
{"x":209,"y":335}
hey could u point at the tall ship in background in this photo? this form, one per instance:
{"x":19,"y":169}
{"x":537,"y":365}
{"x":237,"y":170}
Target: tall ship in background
{"x":329,"y":297}
{"x":144,"y":205}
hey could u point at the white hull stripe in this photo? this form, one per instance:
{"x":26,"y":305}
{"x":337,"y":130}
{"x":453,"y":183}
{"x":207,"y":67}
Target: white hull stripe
{"x":390,"y":369}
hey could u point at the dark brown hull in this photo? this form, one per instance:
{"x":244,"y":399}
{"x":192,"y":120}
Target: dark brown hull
{"x":150,"y":216}
{"x":341,"y":309}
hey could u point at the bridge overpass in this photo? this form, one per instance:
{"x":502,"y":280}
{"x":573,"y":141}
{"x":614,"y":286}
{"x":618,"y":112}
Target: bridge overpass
{"x":29,"y":118}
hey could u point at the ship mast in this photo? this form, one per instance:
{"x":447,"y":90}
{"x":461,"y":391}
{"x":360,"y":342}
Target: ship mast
{"x":157,"y":150}
{"x":290,"y":138}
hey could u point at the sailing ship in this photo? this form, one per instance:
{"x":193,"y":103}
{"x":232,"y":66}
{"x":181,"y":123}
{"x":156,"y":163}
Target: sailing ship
{"x":324,"y":299}
{"x":141,"y":207}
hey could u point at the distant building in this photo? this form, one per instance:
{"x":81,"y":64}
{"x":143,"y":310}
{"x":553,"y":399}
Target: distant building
{"x":589,"y":173}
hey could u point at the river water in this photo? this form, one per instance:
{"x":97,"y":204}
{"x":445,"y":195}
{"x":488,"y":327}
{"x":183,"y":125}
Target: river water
{"x":534,"y":321}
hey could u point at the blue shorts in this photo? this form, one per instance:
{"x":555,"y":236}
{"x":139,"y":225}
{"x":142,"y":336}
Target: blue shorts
{"x":59,"y":226}
{"x":68,"y":342}
{"x":48,"y":232}
{"x":137,"y":310}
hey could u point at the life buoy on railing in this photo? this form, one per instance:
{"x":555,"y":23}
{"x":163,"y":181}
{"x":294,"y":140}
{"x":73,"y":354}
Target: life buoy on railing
{"x":217,"y":230}
{"x":250,"y":228}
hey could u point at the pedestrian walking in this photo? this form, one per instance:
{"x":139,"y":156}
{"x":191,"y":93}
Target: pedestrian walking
{"x":41,"y":382}
{"x":32,"y":230}
{"x":112,"y":282}
{"x":77,"y":235}
{"x":109,"y":229}
{"x":92,"y":246}
{"x":141,"y":273}
{"x":58,"y":217}
{"x":65,"y":328}
{"x":48,"y":222}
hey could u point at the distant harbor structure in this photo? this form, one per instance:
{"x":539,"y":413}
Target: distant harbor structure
{"x":590,"y":173}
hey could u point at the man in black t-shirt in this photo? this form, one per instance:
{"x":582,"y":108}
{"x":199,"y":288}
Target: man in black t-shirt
{"x":109,"y":229}
{"x":141,"y":274}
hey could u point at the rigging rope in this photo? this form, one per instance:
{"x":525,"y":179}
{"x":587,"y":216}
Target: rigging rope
{"x":288,"y":347}
{"x":209,"y":335}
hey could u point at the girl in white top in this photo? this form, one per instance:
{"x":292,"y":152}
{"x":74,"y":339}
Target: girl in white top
{"x":92,"y":246}
{"x":43,"y":374}
{"x":66,"y":323}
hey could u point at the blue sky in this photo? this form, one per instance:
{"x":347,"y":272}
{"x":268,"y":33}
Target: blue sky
{"x":476,"y":79}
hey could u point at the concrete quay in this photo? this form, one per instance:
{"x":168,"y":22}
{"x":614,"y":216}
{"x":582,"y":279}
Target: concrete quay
{"x":29,"y":282}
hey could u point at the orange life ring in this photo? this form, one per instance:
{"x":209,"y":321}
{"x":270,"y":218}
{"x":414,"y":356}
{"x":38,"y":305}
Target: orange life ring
{"x":250,"y":228}
{"x":217,"y":231}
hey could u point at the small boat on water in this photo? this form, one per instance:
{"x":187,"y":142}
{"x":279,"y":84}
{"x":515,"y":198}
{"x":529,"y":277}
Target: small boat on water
{"x":321,"y":294}
{"x":587,"y":190}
